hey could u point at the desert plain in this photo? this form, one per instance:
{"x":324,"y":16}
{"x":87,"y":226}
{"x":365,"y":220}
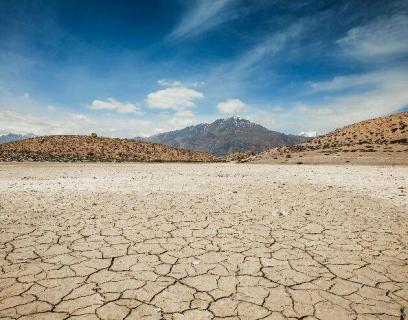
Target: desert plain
{"x":203,"y":241}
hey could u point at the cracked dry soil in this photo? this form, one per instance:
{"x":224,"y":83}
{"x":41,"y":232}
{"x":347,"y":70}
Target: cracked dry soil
{"x":203,"y":241}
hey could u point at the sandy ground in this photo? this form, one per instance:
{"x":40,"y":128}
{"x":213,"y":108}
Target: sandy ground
{"x":203,"y":241}
{"x":399,"y":158}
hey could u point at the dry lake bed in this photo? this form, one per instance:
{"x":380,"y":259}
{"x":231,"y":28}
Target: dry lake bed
{"x":203,"y":241}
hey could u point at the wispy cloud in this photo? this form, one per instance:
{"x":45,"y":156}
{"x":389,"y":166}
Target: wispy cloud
{"x":169,"y":83}
{"x":386,"y":94}
{"x":80,"y":117}
{"x":115,"y":105}
{"x":339,"y":83}
{"x":383,"y":37}
{"x":268,"y":47}
{"x":203,"y":16}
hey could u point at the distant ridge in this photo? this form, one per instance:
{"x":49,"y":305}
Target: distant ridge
{"x":225,"y":136}
{"x":10,"y":137}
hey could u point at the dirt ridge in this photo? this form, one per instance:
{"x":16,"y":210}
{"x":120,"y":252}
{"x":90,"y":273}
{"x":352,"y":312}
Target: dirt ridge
{"x":75,"y":148}
{"x":381,"y":140}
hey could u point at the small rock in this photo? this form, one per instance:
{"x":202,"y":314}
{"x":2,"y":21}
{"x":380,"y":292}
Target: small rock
{"x":281,"y":213}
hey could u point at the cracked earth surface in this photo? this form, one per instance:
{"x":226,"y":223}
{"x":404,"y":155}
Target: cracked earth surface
{"x":203,"y":241}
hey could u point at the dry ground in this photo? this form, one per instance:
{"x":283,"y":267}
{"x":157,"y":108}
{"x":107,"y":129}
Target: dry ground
{"x":203,"y":241}
{"x":396,"y":157}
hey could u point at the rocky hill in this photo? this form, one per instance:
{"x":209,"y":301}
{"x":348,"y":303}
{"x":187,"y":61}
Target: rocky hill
{"x":93,"y":148}
{"x":225,"y":136}
{"x":14,"y":137}
{"x":380,"y":136}
{"x":386,"y":130}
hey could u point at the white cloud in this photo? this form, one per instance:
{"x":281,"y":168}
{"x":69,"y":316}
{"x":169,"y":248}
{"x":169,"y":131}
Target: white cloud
{"x":169,"y":83}
{"x":386,"y":92}
{"x":309,"y":134}
{"x":175,"y":98}
{"x":232,"y":106}
{"x":346,"y":82}
{"x":16,"y":122}
{"x":80,"y":117}
{"x":176,"y":83}
{"x":197,"y":84}
{"x":203,"y":16}
{"x":26,"y":95}
{"x":315,"y":111}
{"x":115,"y":105}
{"x":24,"y":123}
{"x":382,"y":37}
{"x":278,"y":109}
{"x":51,"y":108}
{"x":185,"y":113}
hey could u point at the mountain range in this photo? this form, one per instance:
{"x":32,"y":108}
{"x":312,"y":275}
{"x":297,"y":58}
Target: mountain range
{"x":224,"y":136}
{"x":10,"y":137}
{"x":382,"y":140}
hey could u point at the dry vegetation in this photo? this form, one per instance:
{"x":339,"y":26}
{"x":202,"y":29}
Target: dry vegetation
{"x":93,"y":148}
{"x":376,"y":141}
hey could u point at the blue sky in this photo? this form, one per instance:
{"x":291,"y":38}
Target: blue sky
{"x":130,"y":68}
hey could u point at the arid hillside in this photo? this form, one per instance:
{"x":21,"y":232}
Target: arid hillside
{"x":93,"y":148}
{"x":381,"y":140}
{"x":386,"y":130}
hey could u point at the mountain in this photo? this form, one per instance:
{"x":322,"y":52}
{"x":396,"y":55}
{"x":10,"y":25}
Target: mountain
{"x":378,"y":141}
{"x":93,"y":148}
{"x":224,"y":136}
{"x":14,"y":137}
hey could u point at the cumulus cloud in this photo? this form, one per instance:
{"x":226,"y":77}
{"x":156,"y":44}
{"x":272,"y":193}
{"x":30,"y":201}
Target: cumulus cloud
{"x":232,"y":106}
{"x":309,"y":134}
{"x":115,"y":105}
{"x":174,"y":98}
{"x":383,"y":37}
